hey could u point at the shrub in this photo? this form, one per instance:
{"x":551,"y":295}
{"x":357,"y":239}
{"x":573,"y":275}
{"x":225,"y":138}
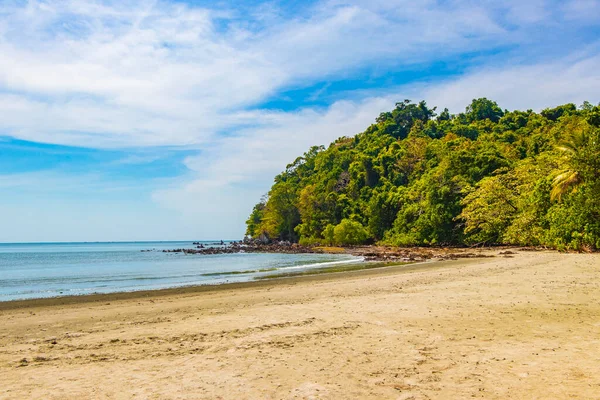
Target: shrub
{"x":329,"y":235}
{"x":350,"y":232}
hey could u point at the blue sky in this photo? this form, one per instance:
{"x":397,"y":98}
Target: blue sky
{"x":167,"y":120}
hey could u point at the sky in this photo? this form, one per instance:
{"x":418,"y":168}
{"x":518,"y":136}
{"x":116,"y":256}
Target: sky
{"x":167,"y":120}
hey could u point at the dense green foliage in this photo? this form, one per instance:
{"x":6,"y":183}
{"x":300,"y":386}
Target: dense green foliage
{"x":418,"y":178}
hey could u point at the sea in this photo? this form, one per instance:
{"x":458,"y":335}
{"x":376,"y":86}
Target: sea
{"x":41,"y":270}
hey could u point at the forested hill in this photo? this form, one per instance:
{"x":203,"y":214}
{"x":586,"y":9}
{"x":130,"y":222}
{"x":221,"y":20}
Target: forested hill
{"x":418,"y":177}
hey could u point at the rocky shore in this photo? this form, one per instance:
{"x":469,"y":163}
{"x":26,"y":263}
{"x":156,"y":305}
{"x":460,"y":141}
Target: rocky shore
{"x":248,"y":247}
{"x":370,"y":253}
{"x":416,"y":254}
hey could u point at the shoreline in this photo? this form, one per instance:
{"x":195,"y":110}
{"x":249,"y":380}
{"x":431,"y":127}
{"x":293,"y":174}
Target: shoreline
{"x":196,"y":289}
{"x":371,"y":255}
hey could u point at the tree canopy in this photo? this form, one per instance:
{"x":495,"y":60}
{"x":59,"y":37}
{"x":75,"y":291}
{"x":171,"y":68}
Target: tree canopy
{"x":417,"y":178}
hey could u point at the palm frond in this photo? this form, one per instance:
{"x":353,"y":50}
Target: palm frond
{"x":574,"y":142}
{"x":566,"y":181}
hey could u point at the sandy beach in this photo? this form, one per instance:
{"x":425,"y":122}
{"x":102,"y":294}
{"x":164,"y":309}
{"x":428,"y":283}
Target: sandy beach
{"x":521,"y":326}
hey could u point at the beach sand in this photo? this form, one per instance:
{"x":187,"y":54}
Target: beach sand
{"x":522,"y":326}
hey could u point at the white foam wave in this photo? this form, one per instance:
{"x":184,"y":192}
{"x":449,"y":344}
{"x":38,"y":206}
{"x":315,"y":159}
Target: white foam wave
{"x":323,"y":264}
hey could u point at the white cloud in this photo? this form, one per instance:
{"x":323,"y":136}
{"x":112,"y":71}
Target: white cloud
{"x":233,"y":175}
{"x":147,"y":73}
{"x":537,"y":86}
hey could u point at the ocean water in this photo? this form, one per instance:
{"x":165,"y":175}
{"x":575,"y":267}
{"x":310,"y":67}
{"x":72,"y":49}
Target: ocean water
{"x":39,"y":270}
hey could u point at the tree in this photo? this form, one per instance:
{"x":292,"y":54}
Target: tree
{"x":329,"y":234}
{"x":280,"y":215}
{"x":444,"y":115}
{"x":482,"y":109}
{"x":575,"y":148}
{"x":490,"y":208}
{"x":253,"y":222}
{"x":554,"y":114}
{"x":399,"y":122}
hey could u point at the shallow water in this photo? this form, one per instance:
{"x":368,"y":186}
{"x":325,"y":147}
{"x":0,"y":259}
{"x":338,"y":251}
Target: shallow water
{"x":59,"y":269}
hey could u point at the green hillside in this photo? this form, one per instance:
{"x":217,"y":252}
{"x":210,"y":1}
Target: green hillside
{"x":422,"y":177}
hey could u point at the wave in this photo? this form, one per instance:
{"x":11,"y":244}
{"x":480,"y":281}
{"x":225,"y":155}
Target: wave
{"x":324,"y":264}
{"x":282,"y":269}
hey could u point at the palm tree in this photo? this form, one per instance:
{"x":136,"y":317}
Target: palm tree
{"x":570,"y":178}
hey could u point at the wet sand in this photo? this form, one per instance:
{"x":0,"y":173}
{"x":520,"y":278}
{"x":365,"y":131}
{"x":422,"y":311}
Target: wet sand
{"x":520,"y":326}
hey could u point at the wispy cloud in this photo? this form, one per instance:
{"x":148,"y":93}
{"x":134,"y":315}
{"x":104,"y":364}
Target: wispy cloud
{"x":586,"y":10}
{"x":137,"y":73}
